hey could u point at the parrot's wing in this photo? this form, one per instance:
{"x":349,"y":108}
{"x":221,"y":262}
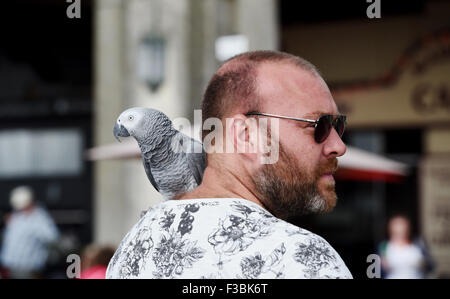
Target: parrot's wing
{"x":148,"y":171}
{"x":197,"y":161}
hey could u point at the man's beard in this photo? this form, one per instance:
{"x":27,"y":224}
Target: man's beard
{"x":287,"y":190}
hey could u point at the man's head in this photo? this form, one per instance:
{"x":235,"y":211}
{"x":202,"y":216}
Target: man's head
{"x":399,"y":228}
{"x":234,"y":86}
{"x":21,"y":197}
{"x":300,"y":181}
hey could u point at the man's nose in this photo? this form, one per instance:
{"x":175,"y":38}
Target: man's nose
{"x":334,"y":146}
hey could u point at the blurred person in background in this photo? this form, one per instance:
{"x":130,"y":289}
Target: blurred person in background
{"x":95,"y":260}
{"x":401,"y":256}
{"x":28,"y":234}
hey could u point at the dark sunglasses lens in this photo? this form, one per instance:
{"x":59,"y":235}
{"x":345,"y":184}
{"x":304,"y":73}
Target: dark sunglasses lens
{"x":339,"y":125}
{"x":323,"y":128}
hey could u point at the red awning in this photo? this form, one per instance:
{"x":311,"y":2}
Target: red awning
{"x":361,"y":165}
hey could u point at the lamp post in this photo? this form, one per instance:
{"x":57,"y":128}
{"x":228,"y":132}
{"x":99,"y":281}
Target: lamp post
{"x":151,"y":61}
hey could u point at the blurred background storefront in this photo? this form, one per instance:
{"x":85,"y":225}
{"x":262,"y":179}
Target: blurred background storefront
{"x":64,"y":81}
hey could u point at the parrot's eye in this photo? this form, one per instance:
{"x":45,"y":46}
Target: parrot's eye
{"x":130,"y":117}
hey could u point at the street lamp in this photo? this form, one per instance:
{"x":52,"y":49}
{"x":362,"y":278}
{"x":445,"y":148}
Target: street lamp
{"x":151,"y":61}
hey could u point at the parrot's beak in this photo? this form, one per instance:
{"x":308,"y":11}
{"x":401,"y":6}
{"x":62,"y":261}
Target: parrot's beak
{"x":120,"y":130}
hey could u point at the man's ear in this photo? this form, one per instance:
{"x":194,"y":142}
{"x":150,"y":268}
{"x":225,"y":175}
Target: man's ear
{"x":243,"y":134}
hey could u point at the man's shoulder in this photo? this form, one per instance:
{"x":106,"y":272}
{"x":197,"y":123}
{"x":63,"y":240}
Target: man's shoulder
{"x":294,"y":233}
{"x":309,"y":249}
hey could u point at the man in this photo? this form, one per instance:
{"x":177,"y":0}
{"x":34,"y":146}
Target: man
{"x":29,"y":233}
{"x":231,"y":225}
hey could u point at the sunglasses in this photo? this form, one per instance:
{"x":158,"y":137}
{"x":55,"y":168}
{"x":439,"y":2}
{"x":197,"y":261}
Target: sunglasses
{"x":322,"y":126}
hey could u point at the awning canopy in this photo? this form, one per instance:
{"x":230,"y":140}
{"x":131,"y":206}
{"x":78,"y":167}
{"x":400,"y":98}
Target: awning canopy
{"x":361,"y":165}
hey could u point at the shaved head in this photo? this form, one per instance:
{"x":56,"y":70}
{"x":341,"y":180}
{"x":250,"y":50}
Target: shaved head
{"x":233,"y":88}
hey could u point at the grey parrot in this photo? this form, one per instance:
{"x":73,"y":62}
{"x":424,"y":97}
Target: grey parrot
{"x":174,"y":162}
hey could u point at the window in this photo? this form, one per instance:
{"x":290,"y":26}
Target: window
{"x":46,"y":152}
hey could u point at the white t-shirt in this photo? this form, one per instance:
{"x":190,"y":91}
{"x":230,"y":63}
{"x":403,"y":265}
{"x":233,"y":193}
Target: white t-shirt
{"x":404,"y":261}
{"x":221,"y":238}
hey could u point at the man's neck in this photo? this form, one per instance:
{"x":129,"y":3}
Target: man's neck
{"x":222,"y":184}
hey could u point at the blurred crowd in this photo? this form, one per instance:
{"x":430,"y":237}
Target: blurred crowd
{"x":31,"y":244}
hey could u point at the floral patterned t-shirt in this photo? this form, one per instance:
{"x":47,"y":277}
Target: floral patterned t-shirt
{"x":221,"y":238}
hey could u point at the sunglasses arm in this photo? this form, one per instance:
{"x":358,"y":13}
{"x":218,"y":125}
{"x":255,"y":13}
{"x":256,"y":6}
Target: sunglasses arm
{"x":284,"y":117}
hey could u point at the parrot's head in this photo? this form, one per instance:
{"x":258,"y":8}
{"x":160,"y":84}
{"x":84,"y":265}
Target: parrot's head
{"x":139,"y":122}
